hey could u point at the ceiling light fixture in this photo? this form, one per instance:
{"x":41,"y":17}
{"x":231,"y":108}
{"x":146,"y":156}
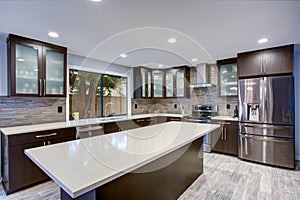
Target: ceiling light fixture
{"x":194,"y":59}
{"x":96,"y":0}
{"x":263,"y":40}
{"x":53,"y":34}
{"x":172,"y":40}
{"x":123,"y":55}
{"x":160,"y":65}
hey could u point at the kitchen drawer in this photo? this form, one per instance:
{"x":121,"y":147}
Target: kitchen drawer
{"x":170,"y":119}
{"x":40,"y":136}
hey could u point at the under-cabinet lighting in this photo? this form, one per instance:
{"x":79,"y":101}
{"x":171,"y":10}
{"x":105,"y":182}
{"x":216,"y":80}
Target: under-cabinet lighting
{"x":263,"y":40}
{"x":53,"y":34}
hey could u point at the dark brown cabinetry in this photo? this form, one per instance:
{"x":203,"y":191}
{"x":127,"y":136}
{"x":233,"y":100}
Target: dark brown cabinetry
{"x":227,"y":137}
{"x":18,"y":171}
{"x":278,"y":60}
{"x":164,"y":83}
{"x":36,"y":68}
{"x":228,"y":77}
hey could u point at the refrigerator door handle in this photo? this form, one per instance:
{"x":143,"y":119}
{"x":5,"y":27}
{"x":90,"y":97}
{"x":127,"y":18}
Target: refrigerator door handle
{"x":222,"y":133}
{"x":262,"y":138}
{"x":266,"y":126}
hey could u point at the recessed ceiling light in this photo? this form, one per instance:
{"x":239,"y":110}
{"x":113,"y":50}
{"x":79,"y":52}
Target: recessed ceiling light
{"x":123,"y":55}
{"x":172,"y":40}
{"x":194,"y":59}
{"x":160,"y":65}
{"x":53,"y":34}
{"x":96,"y":0}
{"x":263,"y":40}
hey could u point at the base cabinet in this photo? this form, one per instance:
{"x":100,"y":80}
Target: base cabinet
{"x":227,"y":137}
{"x":18,"y":171}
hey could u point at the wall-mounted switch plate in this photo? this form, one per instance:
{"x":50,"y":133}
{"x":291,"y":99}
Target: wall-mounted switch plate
{"x":135,"y":106}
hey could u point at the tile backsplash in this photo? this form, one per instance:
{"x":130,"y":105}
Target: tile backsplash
{"x":26,"y":111}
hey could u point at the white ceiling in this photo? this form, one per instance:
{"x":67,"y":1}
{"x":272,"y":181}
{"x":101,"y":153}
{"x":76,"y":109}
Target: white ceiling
{"x":207,"y":30}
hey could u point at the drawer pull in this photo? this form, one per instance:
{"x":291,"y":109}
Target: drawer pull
{"x":223,"y":123}
{"x":46,"y":135}
{"x":140,"y":120}
{"x":174,"y":119}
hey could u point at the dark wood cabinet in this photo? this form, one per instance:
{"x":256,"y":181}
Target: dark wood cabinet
{"x":227,"y":137}
{"x":36,"y":68}
{"x":228,"y":77}
{"x":161,"y":83}
{"x":278,"y":60}
{"x":18,"y":171}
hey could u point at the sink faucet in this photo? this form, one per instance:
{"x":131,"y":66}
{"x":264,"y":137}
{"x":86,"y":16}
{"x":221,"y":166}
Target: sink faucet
{"x":112,"y":108}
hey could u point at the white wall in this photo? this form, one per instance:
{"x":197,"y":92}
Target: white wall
{"x":297,"y":104}
{"x":3,"y":68}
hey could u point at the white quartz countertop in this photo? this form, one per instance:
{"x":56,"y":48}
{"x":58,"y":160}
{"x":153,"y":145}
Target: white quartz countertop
{"x":227,"y":118}
{"x":81,"y":122}
{"x":82,"y":165}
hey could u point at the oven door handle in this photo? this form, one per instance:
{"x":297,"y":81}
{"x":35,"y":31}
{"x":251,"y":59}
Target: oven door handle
{"x":264,"y":138}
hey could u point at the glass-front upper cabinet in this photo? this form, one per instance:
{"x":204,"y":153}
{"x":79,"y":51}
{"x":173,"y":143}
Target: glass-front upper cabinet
{"x":36,"y":68}
{"x":228,"y":77}
{"x":170,"y":83}
{"x":55,"y":72}
{"x":158,"y":81}
{"x":180,"y":86}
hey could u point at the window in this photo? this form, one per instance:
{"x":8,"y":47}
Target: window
{"x":90,"y":93}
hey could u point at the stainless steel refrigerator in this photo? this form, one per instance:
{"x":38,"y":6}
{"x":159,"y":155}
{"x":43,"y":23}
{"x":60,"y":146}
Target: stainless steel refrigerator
{"x":266,"y":120}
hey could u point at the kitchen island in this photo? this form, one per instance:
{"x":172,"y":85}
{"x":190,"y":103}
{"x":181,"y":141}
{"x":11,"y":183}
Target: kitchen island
{"x":158,"y":161}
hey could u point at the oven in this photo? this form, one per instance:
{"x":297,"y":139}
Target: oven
{"x":202,"y":114}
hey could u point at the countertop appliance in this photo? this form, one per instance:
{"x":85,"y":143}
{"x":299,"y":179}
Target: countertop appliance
{"x":203,"y":114}
{"x":266,"y":120}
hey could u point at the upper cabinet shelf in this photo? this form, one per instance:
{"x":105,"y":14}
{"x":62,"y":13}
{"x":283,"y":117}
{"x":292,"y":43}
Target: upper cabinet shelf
{"x":228,"y":77}
{"x":36,"y":68}
{"x":161,"y":83}
{"x":278,"y":60}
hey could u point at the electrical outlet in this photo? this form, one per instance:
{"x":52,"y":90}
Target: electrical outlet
{"x":228,"y":106}
{"x":175,"y":105}
{"x":135,"y":106}
{"x":59,"y":109}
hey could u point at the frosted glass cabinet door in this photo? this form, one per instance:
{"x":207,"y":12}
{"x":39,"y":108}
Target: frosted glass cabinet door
{"x":27,"y":72}
{"x":158,"y":83}
{"x":55,"y":73}
{"x":180,"y":83}
{"x":169,"y":84}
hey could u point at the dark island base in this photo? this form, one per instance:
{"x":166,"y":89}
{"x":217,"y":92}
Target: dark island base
{"x":165,"y":178}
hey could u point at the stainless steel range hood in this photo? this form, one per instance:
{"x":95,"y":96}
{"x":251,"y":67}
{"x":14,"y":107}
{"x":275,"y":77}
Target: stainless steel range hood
{"x":202,"y":77}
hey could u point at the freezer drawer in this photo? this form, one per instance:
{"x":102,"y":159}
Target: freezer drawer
{"x":268,"y":150}
{"x":267,"y":130}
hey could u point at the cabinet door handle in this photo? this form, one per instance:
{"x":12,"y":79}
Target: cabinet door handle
{"x":222,"y":131}
{"x":140,"y":120}
{"x":265,"y":64}
{"x":261,"y":66}
{"x":49,"y":143}
{"x":225,"y":133}
{"x":44,"y":87}
{"x":40,"y":87}
{"x":44,"y":143}
{"x":46,"y":135}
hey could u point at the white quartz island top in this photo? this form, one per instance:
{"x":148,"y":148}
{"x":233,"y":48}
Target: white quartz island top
{"x":82,"y":165}
{"x":81,"y":122}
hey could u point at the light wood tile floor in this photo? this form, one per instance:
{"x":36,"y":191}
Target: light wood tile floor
{"x":224,"y":177}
